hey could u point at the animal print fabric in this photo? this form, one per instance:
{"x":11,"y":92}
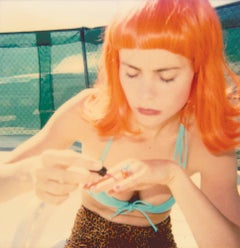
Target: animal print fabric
{"x":93,"y":231}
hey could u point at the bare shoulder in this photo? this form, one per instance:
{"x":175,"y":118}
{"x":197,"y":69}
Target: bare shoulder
{"x":77,"y":103}
{"x":65,"y":126}
{"x":70,"y":117}
{"x":218,"y":174}
{"x":203,"y":160}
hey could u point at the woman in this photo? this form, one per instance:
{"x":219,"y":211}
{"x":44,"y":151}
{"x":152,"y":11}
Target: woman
{"x":158,"y":114}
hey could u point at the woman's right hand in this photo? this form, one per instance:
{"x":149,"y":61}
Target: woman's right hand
{"x":61,"y":172}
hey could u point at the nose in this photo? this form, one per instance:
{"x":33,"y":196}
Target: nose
{"x":147,"y":89}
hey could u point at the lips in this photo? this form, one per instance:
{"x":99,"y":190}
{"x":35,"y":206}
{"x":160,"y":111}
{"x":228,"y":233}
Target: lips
{"x":147,"y":111}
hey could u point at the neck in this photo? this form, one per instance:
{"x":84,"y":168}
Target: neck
{"x":169,"y":127}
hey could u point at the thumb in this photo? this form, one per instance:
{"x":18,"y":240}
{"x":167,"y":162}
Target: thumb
{"x":87,"y":162}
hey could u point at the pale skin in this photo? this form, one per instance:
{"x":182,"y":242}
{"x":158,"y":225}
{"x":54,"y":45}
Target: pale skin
{"x":155,"y":81}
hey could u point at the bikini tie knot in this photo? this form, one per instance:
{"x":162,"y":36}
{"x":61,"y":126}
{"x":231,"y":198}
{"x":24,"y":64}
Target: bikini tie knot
{"x":137,"y":205}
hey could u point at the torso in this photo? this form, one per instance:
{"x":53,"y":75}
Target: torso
{"x":124,"y":148}
{"x":162,"y":149}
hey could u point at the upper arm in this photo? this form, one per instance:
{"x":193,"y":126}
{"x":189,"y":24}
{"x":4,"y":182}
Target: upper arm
{"x":219,"y":184}
{"x":60,"y":131}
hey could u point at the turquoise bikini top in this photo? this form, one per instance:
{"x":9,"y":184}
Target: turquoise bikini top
{"x":124,"y":207}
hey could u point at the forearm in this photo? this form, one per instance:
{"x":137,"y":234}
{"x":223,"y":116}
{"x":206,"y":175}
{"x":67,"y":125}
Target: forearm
{"x":14,"y":186}
{"x":16,"y":178}
{"x":209,"y":227}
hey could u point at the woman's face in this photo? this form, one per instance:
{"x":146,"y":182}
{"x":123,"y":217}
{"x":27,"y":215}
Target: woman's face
{"x":156,"y":83}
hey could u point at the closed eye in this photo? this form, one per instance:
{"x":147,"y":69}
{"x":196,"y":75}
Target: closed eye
{"x":167,"y":80}
{"x":132,"y":75}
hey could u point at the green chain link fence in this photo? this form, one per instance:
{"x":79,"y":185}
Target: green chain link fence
{"x":41,"y":70}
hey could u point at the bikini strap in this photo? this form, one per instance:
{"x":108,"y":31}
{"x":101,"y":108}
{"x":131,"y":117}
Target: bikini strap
{"x":106,"y":149}
{"x":181,"y":147}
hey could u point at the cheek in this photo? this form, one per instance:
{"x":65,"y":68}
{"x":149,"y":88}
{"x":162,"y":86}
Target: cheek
{"x":184,"y":90}
{"x":130,"y":95}
{"x":180,"y":97}
{"x":124,"y":87}
{"x":127,"y":93}
{"x":128,"y":89}
{"x":184,"y":94}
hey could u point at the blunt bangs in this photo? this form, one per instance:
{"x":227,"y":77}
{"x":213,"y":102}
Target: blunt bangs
{"x":163,"y":29}
{"x":190,"y":28}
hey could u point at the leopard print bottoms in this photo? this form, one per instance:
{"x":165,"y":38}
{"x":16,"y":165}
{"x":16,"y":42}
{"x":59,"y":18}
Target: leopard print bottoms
{"x":93,"y":231}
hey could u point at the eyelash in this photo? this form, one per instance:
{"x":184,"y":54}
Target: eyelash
{"x":165,"y":80}
{"x":131,"y":75}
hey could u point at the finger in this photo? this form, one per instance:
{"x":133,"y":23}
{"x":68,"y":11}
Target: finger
{"x":91,"y":180}
{"x":126,"y":184}
{"x":125,"y":179}
{"x":55,"y":188}
{"x":67,"y":158}
{"x":117,"y":168}
{"x":102,"y":184}
{"x":57,"y":157}
{"x":92,"y":165}
{"x":120,"y":172}
{"x":49,"y":198}
{"x":63,"y":176}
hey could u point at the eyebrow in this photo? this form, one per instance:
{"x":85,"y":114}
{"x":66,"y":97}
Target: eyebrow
{"x":157,"y":70}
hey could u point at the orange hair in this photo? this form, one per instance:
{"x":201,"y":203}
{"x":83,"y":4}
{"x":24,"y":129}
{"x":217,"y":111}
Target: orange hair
{"x":189,"y":28}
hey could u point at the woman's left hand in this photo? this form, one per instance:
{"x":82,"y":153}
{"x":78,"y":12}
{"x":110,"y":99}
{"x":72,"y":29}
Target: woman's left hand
{"x":132,"y":175}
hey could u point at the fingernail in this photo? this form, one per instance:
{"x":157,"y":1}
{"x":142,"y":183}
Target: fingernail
{"x":85,"y":186}
{"x":117,"y":188}
{"x":92,"y":188}
{"x":111,"y":176}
